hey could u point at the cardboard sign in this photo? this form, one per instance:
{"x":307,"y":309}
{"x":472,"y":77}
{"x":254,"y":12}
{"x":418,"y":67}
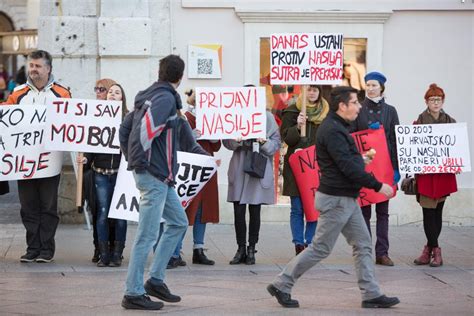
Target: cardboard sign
{"x":306,"y":172}
{"x":229,"y":113}
{"x":305,"y":168}
{"x":83,"y":125}
{"x":433,"y":148}
{"x":22,"y":139}
{"x":381,"y":165}
{"x":306,"y":58}
{"x":193,"y":173}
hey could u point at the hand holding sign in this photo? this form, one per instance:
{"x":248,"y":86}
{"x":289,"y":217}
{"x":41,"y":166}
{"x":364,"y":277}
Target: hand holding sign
{"x":301,"y":120}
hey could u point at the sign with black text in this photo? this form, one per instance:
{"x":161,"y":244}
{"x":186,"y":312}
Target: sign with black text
{"x":433,"y":148}
{"x":306,"y":58}
{"x":22,"y":139}
{"x":231,"y":112}
{"x":193,"y":173}
{"x":83,"y":125}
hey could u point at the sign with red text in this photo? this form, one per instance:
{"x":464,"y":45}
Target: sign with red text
{"x":306,"y":58}
{"x":22,"y":139}
{"x":306,"y":173}
{"x":381,"y":165}
{"x":230,"y":113}
{"x":193,"y":173}
{"x":83,"y":125}
{"x":433,"y":148}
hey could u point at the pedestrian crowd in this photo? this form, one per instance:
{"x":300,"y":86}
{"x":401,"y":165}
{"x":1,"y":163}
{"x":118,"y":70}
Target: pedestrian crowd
{"x":157,"y":127}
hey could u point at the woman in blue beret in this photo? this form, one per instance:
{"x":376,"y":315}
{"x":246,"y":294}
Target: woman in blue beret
{"x":374,"y":114}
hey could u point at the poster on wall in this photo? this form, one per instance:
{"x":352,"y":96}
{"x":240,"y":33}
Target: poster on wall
{"x":204,"y":61}
{"x":433,"y":148}
{"x":306,"y":58}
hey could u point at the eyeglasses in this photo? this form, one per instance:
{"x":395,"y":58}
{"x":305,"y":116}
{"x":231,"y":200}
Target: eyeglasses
{"x":100,"y":89}
{"x":435,"y":100}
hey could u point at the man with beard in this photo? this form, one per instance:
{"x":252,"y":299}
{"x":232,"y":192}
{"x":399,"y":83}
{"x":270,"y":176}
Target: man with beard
{"x":39,"y":197}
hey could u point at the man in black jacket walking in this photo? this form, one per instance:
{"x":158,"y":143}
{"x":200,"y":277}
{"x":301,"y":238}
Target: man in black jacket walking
{"x":342,"y":176}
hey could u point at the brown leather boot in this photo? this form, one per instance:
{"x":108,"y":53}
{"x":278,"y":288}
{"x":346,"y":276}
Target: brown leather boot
{"x":425,"y":256}
{"x":437,"y":259}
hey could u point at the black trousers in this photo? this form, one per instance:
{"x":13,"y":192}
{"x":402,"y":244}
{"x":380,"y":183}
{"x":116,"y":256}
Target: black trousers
{"x":381,"y":209}
{"x":39,"y":213}
{"x":432,"y":223}
{"x":241,"y":226}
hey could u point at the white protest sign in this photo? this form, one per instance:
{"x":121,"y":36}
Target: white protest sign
{"x":229,"y":113}
{"x":126,"y":197}
{"x":22,"y":138}
{"x":193,"y":173}
{"x":306,"y":58}
{"x":433,"y":148}
{"x":83,"y":125}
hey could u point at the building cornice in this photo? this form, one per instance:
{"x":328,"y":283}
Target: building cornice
{"x":339,"y":17}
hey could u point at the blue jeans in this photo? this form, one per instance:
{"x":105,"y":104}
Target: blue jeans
{"x":300,"y":236}
{"x":104,"y":187}
{"x":199,"y":230}
{"x":156,"y":200}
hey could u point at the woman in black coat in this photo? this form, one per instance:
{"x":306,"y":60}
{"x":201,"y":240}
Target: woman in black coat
{"x":374,"y":114}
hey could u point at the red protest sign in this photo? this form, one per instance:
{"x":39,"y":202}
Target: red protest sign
{"x":381,"y":165}
{"x":306,"y":172}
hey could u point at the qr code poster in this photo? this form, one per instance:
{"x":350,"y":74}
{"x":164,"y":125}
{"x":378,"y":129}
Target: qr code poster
{"x":205,"y":61}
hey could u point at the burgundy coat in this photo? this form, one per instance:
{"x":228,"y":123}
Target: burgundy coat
{"x":435,"y":185}
{"x":209,"y":195}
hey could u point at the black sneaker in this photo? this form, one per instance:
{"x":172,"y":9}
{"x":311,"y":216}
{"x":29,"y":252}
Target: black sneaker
{"x":140,"y":302}
{"x":380,"y":302}
{"x":44,"y":258}
{"x":29,"y":257}
{"x":176,"y":262}
{"x":162,"y":292}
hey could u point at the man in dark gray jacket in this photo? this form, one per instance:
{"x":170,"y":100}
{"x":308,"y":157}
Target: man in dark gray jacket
{"x":149,"y":140}
{"x":342,"y":176}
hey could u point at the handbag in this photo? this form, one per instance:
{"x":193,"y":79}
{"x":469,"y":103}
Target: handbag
{"x":255,"y":164}
{"x":409,"y":186}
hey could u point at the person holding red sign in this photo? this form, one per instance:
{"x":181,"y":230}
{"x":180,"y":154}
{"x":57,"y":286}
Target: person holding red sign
{"x":375,"y":113}
{"x":433,"y":189}
{"x":245,"y":189}
{"x":292,"y":121}
{"x":342,"y":176}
